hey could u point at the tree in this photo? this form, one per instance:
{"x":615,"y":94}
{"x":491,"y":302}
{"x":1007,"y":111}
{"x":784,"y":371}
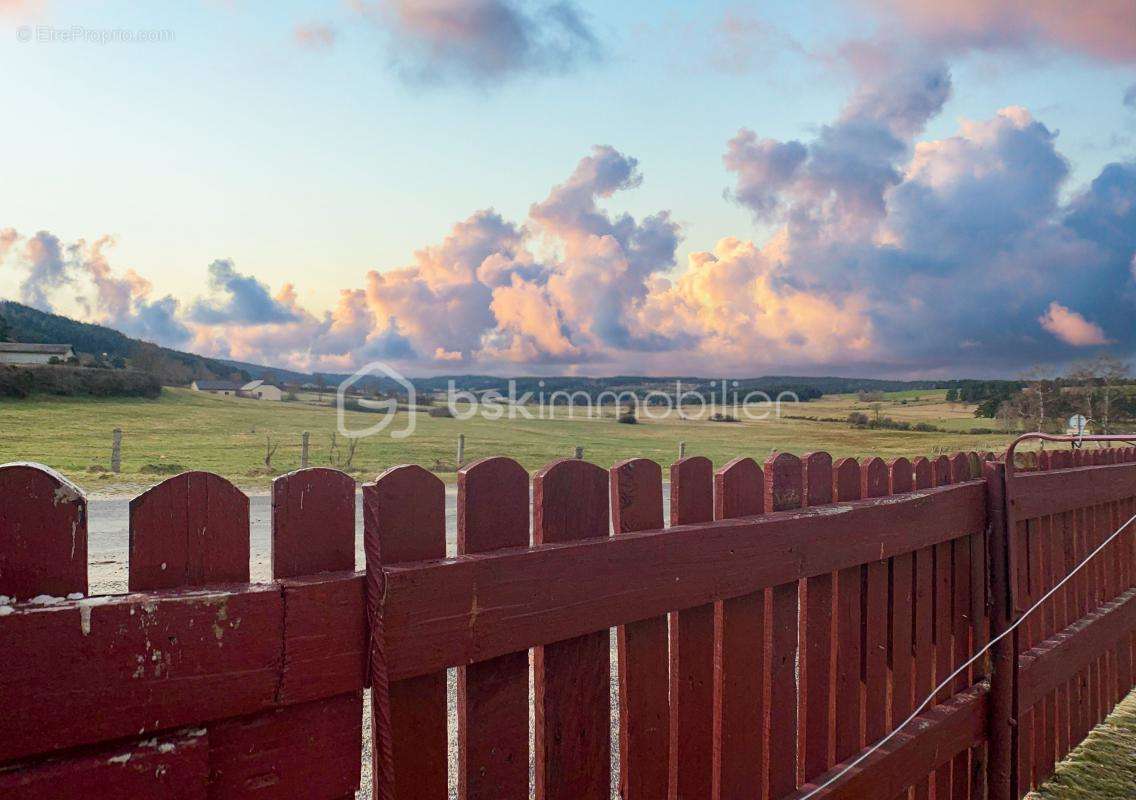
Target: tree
{"x":1097,"y":383}
{"x":5,"y":329}
{"x":952,"y":395}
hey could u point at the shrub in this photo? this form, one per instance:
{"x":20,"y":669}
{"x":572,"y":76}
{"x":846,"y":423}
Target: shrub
{"x":629,"y":418}
{"x":441,"y":411}
{"x":720,"y":417}
{"x":858,"y":419}
{"x":77,"y":382}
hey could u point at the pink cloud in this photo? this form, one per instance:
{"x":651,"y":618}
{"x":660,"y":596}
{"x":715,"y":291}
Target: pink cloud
{"x":1104,"y":29}
{"x":1072,"y":328}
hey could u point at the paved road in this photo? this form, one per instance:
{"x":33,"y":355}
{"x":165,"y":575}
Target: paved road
{"x":108,"y":537}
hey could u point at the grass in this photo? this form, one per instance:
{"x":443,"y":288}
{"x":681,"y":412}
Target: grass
{"x":188,"y":430}
{"x":1103,"y":767}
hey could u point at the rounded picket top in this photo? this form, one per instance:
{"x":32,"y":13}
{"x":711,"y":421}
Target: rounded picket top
{"x":874,"y":478}
{"x":313,"y":522}
{"x":692,"y":490}
{"x":784,"y":482}
{"x":404,"y":516}
{"x":960,"y":468}
{"x":493,"y":505}
{"x":636,"y":495}
{"x":846,"y":480}
{"x":901,"y":476}
{"x":739,"y":489}
{"x":43,"y":533}
{"x":942,"y":469}
{"x":570,"y":501}
{"x":817,"y":468}
{"x":924,"y":472}
{"x":190,"y":530}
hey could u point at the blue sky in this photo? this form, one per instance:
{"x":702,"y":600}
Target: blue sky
{"x":312,"y":165}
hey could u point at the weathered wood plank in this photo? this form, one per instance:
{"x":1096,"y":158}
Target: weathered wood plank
{"x":815,"y":718}
{"x":572,"y":676}
{"x":189,"y":530}
{"x":174,"y":766}
{"x":126,"y":666}
{"x":739,"y":747}
{"x":784,"y":490}
{"x":493,"y":696}
{"x":1058,"y":659}
{"x":1039,"y":494}
{"x":849,"y":645}
{"x":544,"y":594}
{"x":644,"y":734}
{"x":930,"y":741}
{"x":313,"y":522}
{"x":404,"y":520}
{"x":692,"y":649}
{"x":310,"y":750}
{"x":43,"y":533}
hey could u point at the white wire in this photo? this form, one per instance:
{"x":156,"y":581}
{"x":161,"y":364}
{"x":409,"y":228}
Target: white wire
{"x":860,"y":758}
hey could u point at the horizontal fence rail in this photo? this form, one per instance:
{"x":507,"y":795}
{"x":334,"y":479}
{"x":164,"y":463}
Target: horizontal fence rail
{"x":758,"y":644}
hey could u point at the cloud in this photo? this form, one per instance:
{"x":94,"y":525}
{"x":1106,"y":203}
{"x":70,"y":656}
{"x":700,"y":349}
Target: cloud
{"x":1101,"y":29}
{"x":846,"y":171}
{"x":1072,"y":328}
{"x":239,"y":299}
{"x":47,"y":270}
{"x":889,"y":254}
{"x":123,"y":302}
{"x":314,"y":36}
{"x":8,"y":238}
{"x":479,"y":41}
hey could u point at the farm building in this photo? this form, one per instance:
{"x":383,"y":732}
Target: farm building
{"x":260,"y":390}
{"x":226,"y":388}
{"x":23,"y":353}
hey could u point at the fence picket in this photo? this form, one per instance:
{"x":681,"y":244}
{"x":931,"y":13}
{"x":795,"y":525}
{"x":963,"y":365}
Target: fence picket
{"x":784,"y":490}
{"x":960,"y":625}
{"x":692,"y":650}
{"x":189,"y":530}
{"x":924,"y":612}
{"x":874,"y":483}
{"x":901,"y":603}
{"x":941,"y":468}
{"x":644,"y":740}
{"x":739,"y":709}
{"x":313,"y":522}
{"x":404,"y":520}
{"x":815,"y":723}
{"x":572,"y":677}
{"x":493,"y":695}
{"x":849,"y":706}
{"x":793,"y":669}
{"x":43,"y":533}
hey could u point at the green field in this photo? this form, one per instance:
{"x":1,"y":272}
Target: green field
{"x":187,"y":430}
{"x":1103,"y":767}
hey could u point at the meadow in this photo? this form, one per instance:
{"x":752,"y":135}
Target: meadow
{"x":188,"y":430}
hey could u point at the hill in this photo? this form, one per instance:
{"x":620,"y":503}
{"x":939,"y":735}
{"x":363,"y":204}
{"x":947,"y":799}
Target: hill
{"x":20,"y":323}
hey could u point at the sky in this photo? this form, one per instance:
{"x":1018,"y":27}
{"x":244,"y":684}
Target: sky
{"x":876,"y":187}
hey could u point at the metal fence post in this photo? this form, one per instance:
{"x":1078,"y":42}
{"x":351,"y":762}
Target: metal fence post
{"x":1001,"y":723}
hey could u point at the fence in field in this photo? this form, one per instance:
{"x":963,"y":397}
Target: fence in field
{"x":789,"y":617}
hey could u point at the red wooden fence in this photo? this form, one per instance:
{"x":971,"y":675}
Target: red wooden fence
{"x":790,"y":616}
